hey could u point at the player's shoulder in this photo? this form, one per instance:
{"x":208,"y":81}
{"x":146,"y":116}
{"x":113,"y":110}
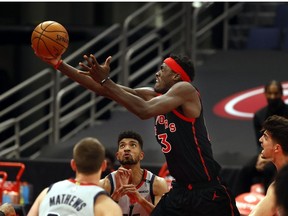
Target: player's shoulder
{"x":107,"y":206}
{"x":183,"y":86}
{"x":105,"y":183}
{"x":146,"y":92}
{"x":160,"y":185}
{"x":160,"y":180}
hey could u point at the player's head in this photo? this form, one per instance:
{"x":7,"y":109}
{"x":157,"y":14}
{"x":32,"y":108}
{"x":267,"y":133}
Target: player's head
{"x":273,"y":91}
{"x":174,"y":69}
{"x":186,"y":64}
{"x":132,"y":135}
{"x":130,"y":145}
{"x":275,"y":136}
{"x":88,"y":155}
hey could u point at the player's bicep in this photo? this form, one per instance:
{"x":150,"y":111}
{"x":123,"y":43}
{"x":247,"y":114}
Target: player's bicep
{"x":174,"y":98}
{"x":146,"y":93}
{"x":34,"y":210}
{"x":160,"y":187}
{"x":106,"y":206}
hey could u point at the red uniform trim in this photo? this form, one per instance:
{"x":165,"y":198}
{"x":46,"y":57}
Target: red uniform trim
{"x":79,"y":183}
{"x":200,"y":154}
{"x":143,"y":178}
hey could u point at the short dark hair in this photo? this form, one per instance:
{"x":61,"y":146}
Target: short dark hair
{"x":277,"y":126}
{"x":274,"y":82}
{"x":88,"y":155}
{"x":281,"y":189}
{"x":186,"y":64}
{"x":132,"y":135}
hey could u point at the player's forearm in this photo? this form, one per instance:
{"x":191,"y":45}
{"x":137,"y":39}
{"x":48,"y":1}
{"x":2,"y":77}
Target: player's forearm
{"x":85,"y":81}
{"x":148,"y":206}
{"x":133,"y":103}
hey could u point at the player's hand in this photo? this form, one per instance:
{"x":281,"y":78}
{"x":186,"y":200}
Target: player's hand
{"x":123,"y":177}
{"x":261,"y":163}
{"x":52,"y":61}
{"x":8,"y":209}
{"x":94,"y":69}
{"x":130,"y":190}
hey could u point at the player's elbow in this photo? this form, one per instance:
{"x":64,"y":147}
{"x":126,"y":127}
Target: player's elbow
{"x":144,"y":114}
{"x":143,"y":117}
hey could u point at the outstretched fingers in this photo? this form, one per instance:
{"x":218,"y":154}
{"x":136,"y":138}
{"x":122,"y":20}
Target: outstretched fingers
{"x":108,"y":61}
{"x":84,"y":73}
{"x":93,"y":69}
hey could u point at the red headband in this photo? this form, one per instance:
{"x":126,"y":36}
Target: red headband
{"x":177,"y":68}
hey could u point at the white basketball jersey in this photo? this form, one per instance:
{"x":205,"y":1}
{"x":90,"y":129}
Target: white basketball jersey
{"x":68,"y":197}
{"x":145,"y":188}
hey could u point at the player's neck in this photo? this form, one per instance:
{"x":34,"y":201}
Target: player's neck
{"x":137,"y":176}
{"x":280,"y":162}
{"x":88,"y":179}
{"x":137,"y":173}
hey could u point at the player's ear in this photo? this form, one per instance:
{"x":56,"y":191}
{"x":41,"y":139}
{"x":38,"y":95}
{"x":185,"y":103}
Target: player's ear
{"x":277,"y":147}
{"x":104,"y":165}
{"x":73,"y":164}
{"x":116,"y":155}
{"x":142,"y":155}
{"x":177,"y":77}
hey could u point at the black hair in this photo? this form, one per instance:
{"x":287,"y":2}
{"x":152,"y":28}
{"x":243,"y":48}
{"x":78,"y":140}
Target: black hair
{"x":186,"y":64}
{"x":132,"y":135}
{"x":277,"y":126}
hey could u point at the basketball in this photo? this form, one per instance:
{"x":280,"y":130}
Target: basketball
{"x":49,"y":39}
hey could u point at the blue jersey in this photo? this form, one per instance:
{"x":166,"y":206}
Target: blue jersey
{"x":187,"y":147}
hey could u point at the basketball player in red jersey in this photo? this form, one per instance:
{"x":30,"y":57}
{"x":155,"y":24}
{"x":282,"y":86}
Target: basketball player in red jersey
{"x":180,"y":129}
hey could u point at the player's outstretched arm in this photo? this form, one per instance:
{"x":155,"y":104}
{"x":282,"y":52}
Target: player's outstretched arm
{"x":73,"y":73}
{"x":86,"y":81}
{"x":143,"y":102}
{"x":100,"y":73}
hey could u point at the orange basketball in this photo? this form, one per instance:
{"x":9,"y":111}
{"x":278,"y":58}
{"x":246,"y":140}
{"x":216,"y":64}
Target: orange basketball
{"x":50,"y":39}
